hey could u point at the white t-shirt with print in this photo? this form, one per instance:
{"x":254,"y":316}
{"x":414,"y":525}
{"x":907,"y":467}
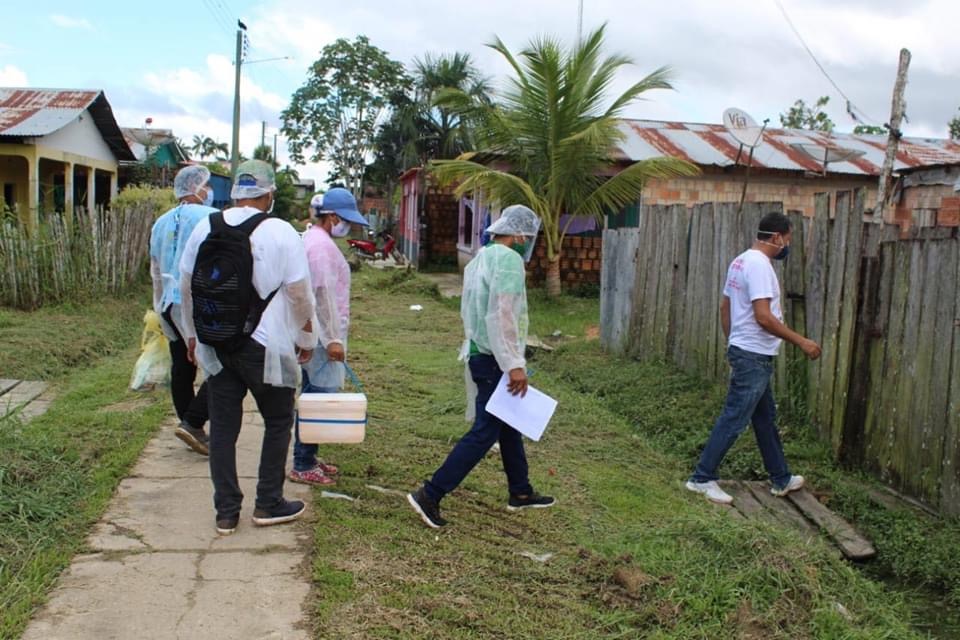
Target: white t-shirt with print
{"x":751,"y":277}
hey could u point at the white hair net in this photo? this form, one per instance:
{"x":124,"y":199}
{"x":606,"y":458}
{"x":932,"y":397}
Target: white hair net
{"x":189,"y":180}
{"x":516,"y":220}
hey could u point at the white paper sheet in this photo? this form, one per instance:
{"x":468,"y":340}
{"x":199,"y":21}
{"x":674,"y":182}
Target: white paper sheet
{"x":528,"y":415}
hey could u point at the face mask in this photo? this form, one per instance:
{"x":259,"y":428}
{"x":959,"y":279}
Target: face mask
{"x":523,"y":248}
{"x":341,"y":229}
{"x":208,"y":199}
{"x":783,"y":253}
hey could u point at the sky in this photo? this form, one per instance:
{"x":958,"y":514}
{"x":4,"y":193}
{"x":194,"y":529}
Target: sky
{"x":172,"y":61}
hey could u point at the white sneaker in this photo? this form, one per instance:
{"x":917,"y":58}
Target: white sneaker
{"x":796,"y":482}
{"x":712,"y":490}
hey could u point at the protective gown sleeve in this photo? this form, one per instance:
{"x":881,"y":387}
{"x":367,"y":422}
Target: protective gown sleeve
{"x":323,"y":273}
{"x":504,"y":308}
{"x":301,"y":303}
{"x":156,"y":275}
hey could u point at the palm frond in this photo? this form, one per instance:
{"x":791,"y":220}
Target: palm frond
{"x":627,"y":186}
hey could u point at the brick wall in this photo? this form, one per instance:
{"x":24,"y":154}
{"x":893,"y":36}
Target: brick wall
{"x":441,"y":211}
{"x":929,"y":205}
{"x":796,"y":194}
{"x":580,"y":261}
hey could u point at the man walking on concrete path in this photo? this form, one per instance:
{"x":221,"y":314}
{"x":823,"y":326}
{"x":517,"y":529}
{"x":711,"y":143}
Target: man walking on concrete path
{"x":259,"y":352}
{"x":495,"y":320}
{"x":752,"y":320}
{"x":167,"y":239}
{"x":333,"y":213}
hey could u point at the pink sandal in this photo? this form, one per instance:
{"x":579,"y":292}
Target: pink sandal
{"x":328,"y":469}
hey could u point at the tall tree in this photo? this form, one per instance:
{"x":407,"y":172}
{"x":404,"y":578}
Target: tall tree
{"x":954,"y":128}
{"x":556,"y":128}
{"x":801,"y":116}
{"x":263,"y":152}
{"x":334,"y":116}
{"x":869,"y":129}
{"x":198,"y":146}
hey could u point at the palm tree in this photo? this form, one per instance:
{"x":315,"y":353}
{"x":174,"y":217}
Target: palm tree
{"x":219,"y":150}
{"x":199,"y":146}
{"x":555,"y":129}
{"x":445,"y":132}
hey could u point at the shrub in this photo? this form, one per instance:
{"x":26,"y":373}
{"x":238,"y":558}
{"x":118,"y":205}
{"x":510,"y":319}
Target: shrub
{"x":135,"y":196}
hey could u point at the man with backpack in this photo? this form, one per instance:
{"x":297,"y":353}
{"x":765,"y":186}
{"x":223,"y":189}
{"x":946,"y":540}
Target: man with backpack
{"x":168,"y":237}
{"x":248,"y":312}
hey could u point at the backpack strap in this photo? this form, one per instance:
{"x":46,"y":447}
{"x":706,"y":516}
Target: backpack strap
{"x":248,"y":226}
{"x":217,"y":223}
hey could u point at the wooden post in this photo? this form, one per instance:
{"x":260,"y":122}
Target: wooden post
{"x":896,"y":117}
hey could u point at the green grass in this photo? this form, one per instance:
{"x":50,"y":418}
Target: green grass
{"x":58,"y":471}
{"x":635,"y":555}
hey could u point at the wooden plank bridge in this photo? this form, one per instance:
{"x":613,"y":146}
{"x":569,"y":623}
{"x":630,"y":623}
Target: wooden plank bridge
{"x":799,"y":510}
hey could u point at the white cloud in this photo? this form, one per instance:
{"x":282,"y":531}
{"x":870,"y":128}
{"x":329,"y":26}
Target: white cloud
{"x":66,"y":22}
{"x":11,"y":76}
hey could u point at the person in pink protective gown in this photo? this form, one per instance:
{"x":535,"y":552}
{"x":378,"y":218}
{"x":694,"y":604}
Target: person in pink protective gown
{"x":333,"y":213}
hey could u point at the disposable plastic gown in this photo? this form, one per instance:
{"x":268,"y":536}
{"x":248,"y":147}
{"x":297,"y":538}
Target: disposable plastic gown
{"x":494,"y":310}
{"x":330,"y":275}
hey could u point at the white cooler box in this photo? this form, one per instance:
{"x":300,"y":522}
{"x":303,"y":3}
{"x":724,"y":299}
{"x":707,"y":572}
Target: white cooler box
{"x":332,"y":418}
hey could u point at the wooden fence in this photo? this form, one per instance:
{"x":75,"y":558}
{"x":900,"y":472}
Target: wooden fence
{"x":886,"y":310}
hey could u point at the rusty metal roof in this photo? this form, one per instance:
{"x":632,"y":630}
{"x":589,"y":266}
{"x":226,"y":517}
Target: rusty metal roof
{"x":30,"y":113}
{"x":713,"y":144}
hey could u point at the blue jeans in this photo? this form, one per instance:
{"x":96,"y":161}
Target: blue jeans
{"x":749,"y":399}
{"x":305,"y":455}
{"x":486,"y":430}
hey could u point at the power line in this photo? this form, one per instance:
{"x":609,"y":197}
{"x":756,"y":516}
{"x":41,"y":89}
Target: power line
{"x":851,"y":107}
{"x":216,"y":17}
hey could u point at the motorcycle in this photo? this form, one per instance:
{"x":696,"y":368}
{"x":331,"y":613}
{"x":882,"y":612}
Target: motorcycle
{"x":371,"y":249}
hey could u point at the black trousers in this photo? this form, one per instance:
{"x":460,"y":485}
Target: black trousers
{"x":243,"y":371}
{"x":191,"y":408}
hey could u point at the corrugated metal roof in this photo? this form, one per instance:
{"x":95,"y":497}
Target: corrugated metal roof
{"x":29,"y":113}
{"x":713,"y":144}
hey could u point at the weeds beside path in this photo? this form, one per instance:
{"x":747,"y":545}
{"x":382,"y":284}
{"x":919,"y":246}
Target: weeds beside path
{"x":633,"y":554}
{"x":58,"y":471}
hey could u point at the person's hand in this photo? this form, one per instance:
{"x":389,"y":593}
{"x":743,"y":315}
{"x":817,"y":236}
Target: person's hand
{"x":810,"y":348}
{"x":304,"y":355}
{"x":335,"y":352}
{"x":518,"y":382}
{"x":192,"y":351}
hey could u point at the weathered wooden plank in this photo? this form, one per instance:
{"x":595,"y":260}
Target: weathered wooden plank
{"x":743,"y":499}
{"x":6,"y":385}
{"x":877,"y":338}
{"x":691,"y":309}
{"x":950,"y":477}
{"x":681,"y":256}
{"x":831,"y":316}
{"x":623,"y":276}
{"x":783,"y":510}
{"x":635,"y":344}
{"x":608,"y":320}
{"x":849,"y":305}
{"x":664,"y":272}
{"x":817,"y":245}
{"x":709,"y":233}
{"x":796,"y":362}
{"x":851,"y":543}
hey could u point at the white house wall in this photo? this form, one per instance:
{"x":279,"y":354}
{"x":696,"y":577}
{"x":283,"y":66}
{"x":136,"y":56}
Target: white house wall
{"x":80,"y":137}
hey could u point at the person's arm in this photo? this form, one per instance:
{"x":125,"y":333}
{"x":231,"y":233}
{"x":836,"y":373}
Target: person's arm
{"x":725,"y":316}
{"x":329,"y":324}
{"x":771,"y":324}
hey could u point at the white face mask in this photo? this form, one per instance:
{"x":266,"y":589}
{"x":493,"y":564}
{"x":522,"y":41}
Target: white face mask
{"x":273,"y":201}
{"x":341,"y":229}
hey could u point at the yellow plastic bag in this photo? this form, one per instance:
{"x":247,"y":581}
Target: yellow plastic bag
{"x":153,"y":365}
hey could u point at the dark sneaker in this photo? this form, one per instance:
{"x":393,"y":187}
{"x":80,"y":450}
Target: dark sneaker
{"x":226,"y":526}
{"x":195,"y":438}
{"x":286,"y":511}
{"x":532,"y":501}
{"x":426,"y":508}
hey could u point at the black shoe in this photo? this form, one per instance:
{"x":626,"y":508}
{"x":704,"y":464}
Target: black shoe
{"x":226,"y":526}
{"x":195,"y":438}
{"x":532,"y":501}
{"x":286,"y":511}
{"x":426,"y":508}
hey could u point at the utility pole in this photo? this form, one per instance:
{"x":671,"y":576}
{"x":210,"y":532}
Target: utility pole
{"x":897,"y":108}
{"x":237,"y":63}
{"x":580,"y":22}
{"x":275,"y":162}
{"x":263,"y":132}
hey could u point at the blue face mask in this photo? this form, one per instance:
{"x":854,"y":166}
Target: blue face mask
{"x":208,"y":199}
{"x":783,"y":253}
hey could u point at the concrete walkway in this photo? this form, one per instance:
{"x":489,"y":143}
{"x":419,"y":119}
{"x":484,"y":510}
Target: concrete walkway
{"x":449,"y":284}
{"x":155,"y":567}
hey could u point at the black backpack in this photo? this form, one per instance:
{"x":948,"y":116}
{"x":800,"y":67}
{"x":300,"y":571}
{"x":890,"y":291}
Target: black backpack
{"x":226,"y":305}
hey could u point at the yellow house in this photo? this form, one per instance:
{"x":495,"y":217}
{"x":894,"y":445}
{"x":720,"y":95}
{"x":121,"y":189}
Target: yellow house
{"x":59,"y":149}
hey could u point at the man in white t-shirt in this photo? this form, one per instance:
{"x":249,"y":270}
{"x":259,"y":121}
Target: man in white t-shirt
{"x":752,"y":320}
{"x":266,"y":363}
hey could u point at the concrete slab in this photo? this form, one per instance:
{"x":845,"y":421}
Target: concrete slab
{"x":450,"y":285}
{"x":20,"y":395}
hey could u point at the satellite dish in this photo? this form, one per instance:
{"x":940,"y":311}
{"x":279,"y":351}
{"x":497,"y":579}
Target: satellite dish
{"x":742,"y":127}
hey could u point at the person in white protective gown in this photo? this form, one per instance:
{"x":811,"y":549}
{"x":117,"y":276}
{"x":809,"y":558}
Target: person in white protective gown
{"x":495,"y":321}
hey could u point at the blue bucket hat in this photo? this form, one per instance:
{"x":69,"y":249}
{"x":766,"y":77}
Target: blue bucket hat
{"x":342,"y":203}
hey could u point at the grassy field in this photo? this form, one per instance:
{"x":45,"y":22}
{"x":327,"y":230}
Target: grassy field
{"x":634,"y":555}
{"x":58,"y":472}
